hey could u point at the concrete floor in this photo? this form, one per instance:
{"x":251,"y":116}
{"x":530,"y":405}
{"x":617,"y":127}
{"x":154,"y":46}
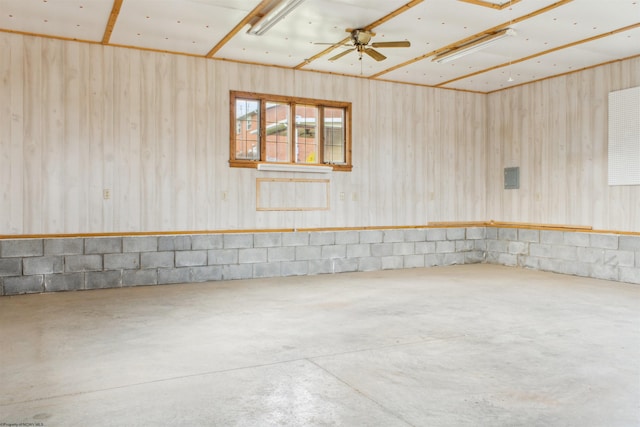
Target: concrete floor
{"x":473,"y":345}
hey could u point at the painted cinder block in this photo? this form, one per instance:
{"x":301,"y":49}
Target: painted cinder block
{"x":295,"y":239}
{"x":638,"y":259}
{"x":321,"y":266}
{"x":127,"y":261}
{"x":382,"y":249}
{"x":190,"y":258}
{"x":507,"y":234}
{"x":21,"y":248}
{"x":497,"y":245}
{"x":140,"y":244}
{"x":415,"y":235}
{"x":102,"y":245}
{"x":394,"y":262}
{"x":10,"y":267}
{"x":333,"y":251}
{"x":475,"y":233}
{"x":591,"y":255}
{"x":518,"y":248}
{"x":344,"y":265}
{"x":174,"y":243}
{"x":369,"y":264}
{"x":526,"y":261}
{"x":453,"y":259}
{"x":358,"y":250}
{"x":139,"y":277}
{"x":347,"y":237}
{"x":552,"y":237}
{"x":163,"y":259}
{"x":563,"y":252}
{"x":425,"y":247}
{"x":492,"y":233}
{"x":103,"y":279}
{"x":393,"y":236}
{"x":266,"y":269}
{"x":540,"y":250}
{"x":629,"y":243}
{"x":223,"y":256}
{"x":619,"y":258}
{"x":284,"y":253}
{"x":526,"y":235}
{"x":173,"y":275}
{"x":371,"y":236}
{"x":253,"y":255}
{"x":206,"y":241}
{"x":64,"y":282}
{"x":237,"y":272}
{"x":474,"y":257}
{"x":305,"y":253}
{"x":207,"y":273}
{"x":456,"y":233}
{"x":413,"y":261}
{"x":606,"y":272}
{"x":434,"y":234}
{"x":445,"y":247}
{"x":493,"y":257}
{"x":23,"y":285}
{"x":42,"y":265}
{"x":80,"y":263}
{"x":237,"y":241}
{"x":464,"y":245}
{"x":604,"y":241}
{"x":404,"y":248}
{"x":64,"y":246}
{"x":630,"y":275}
{"x":321,"y":238}
{"x":267,"y":240}
{"x":294,"y":268}
{"x":433,"y":260}
{"x":576,"y":239}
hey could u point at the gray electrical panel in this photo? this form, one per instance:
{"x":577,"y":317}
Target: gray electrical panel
{"x":512,"y":178}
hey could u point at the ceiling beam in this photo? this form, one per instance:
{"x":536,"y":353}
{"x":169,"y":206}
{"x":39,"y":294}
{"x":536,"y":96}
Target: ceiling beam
{"x":369,"y":27}
{"x":255,"y":12}
{"x":473,"y":37}
{"x":113,"y":17}
{"x":535,"y":55}
{"x":492,"y":5}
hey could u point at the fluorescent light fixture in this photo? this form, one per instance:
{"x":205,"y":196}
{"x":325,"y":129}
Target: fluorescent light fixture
{"x":279,"y":167}
{"x":271,"y":18}
{"x":473,"y":46}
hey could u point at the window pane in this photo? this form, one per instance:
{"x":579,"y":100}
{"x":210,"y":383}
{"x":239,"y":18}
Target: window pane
{"x":306,"y":135}
{"x":277,"y":138}
{"x":334,"y":135}
{"x":247,"y":129}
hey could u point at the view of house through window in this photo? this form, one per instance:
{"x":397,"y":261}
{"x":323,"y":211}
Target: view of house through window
{"x":276,"y":129}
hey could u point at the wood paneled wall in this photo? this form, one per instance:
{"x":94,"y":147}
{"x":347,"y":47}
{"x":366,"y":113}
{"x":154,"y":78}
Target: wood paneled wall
{"x":151,"y":127}
{"x":555,"y":130}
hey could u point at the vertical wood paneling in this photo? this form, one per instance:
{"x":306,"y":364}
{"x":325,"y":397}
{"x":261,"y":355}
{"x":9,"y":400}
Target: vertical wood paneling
{"x":153,"y":128}
{"x":34,"y":209}
{"x":556,"y":131}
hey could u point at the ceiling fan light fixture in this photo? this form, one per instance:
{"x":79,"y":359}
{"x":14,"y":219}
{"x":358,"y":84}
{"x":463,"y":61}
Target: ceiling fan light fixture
{"x":275,"y":15}
{"x":473,"y":46}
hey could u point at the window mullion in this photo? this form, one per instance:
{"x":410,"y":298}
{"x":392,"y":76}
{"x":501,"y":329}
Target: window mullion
{"x":263,"y":130}
{"x":320,"y":133}
{"x":293,"y":134}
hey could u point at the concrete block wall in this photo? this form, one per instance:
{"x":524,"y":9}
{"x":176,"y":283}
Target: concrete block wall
{"x":588,"y":254}
{"x":64,"y":264}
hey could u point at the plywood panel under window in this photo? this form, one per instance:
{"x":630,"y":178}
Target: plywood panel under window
{"x":292,"y":194}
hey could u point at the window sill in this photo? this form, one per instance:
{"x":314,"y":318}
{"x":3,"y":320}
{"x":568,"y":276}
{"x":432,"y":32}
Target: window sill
{"x":279,"y":167}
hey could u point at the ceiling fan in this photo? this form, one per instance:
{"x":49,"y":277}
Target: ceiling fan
{"x":360,"y":42}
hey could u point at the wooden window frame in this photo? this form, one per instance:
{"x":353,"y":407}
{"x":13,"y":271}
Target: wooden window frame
{"x":291,"y":101}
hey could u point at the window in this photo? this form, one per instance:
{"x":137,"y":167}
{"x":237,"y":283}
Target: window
{"x":277,"y":129}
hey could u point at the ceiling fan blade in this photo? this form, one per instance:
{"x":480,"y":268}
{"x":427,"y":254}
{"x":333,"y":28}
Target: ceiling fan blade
{"x":391,"y":44}
{"x":375,"y":54}
{"x":340,"y":55}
